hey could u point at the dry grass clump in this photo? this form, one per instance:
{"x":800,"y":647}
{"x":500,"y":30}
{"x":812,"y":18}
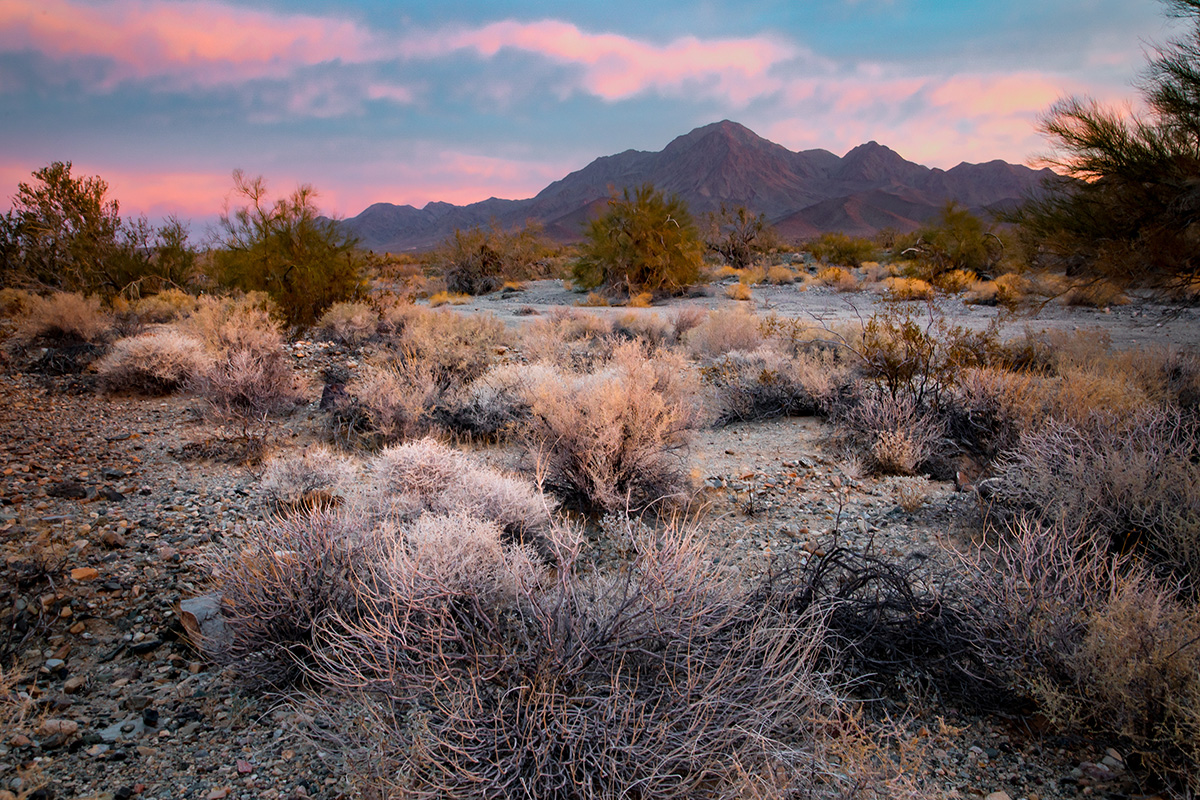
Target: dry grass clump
{"x":767,"y":383}
{"x":392,"y":401}
{"x":569,"y":338}
{"x":449,"y":298}
{"x":739,"y":291}
{"x":155,"y":363}
{"x":497,"y":403}
{"x":990,"y":407}
{"x":456,"y":347}
{"x":641,"y":300}
{"x":613,"y":439}
{"x":752,"y":276}
{"x":15,"y":302}
{"x":312,"y":478}
{"x":837,"y":278}
{"x":1096,"y":641}
{"x":593,"y":300}
{"x":65,"y":318}
{"x":724,"y":331}
{"x":1095,"y":294}
{"x":910,"y":493}
{"x":906,"y":289}
{"x":1008,"y":290}
{"x":1132,"y":482}
{"x":168,"y":305}
{"x":348,"y":323}
{"x":780,"y":275}
{"x":956,"y":281}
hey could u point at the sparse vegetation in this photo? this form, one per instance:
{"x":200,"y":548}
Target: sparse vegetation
{"x":479,"y":261}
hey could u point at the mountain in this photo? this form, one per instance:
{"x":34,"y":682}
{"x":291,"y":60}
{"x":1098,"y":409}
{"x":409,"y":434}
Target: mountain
{"x":802,"y":193}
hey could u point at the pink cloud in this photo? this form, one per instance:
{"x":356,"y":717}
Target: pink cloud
{"x":616,"y":67}
{"x":205,"y":42}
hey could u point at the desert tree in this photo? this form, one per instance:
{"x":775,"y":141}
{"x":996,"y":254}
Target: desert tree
{"x":735,"y":234}
{"x":285,"y":248}
{"x":1132,"y":212}
{"x":644,"y":242}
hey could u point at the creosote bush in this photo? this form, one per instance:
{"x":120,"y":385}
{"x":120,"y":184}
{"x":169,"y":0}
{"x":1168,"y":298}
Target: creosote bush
{"x":65,"y":318}
{"x":348,"y":323}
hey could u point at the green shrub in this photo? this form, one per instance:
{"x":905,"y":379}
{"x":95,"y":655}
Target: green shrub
{"x":305,"y":263}
{"x":838,"y":249}
{"x":955,"y":240}
{"x":643,"y":242}
{"x":478,"y":261}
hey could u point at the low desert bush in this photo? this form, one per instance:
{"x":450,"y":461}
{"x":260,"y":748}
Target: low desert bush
{"x":724,"y":331}
{"x":989,"y":408}
{"x":839,"y":249}
{"x":478,"y":261}
{"x":956,"y":281}
{"x":1095,"y":294}
{"x":65,"y":318}
{"x":422,"y":476}
{"x":168,"y":305}
{"x":739,"y":291}
{"x":155,"y":363}
{"x":906,"y":289}
{"x":1131,"y":482}
{"x":348,"y":323}
{"x":837,"y":278}
{"x":781,"y":275}
{"x":497,"y":403}
{"x":393,"y":401}
{"x":456,"y":347}
{"x":1096,"y":641}
{"x":569,"y":338}
{"x":15,"y":302}
{"x":312,"y":478}
{"x":613,"y":439}
{"x":766,"y":383}
{"x":893,"y":435}
{"x":452,"y":298}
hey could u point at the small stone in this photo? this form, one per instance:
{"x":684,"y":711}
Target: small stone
{"x":54,"y":663}
{"x":244,"y":767}
{"x":81,"y":574}
{"x":74,"y":684}
{"x":66,"y":612}
{"x":20,"y":740}
{"x":112,"y":539}
{"x":998,"y":796}
{"x":217,"y":794}
{"x":78,"y":628}
{"x":57,"y":727}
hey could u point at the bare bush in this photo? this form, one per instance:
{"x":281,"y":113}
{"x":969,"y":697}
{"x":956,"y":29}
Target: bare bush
{"x":569,"y":338}
{"x":1133,"y":482}
{"x":457,"y":347}
{"x":392,"y":402}
{"x":767,"y":383}
{"x":895,"y":436}
{"x":724,"y":331}
{"x":168,"y":305}
{"x":153,"y":363}
{"x":66,"y":318}
{"x":498,"y":401}
{"x":348,"y":323}
{"x":314,"y":477}
{"x":658,"y":682}
{"x":1095,"y":640}
{"x":613,"y":439}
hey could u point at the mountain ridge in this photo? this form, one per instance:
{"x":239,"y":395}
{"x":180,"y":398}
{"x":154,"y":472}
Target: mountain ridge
{"x":802,"y":193}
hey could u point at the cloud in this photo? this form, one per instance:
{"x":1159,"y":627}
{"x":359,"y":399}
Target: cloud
{"x":616,"y":67}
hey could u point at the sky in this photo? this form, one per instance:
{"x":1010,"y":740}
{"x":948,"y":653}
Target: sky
{"x":461,"y":100}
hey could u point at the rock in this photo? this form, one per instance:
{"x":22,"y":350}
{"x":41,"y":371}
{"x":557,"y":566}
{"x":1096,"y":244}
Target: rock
{"x":111,"y":495}
{"x":82,"y":574}
{"x":217,"y":794}
{"x":203,"y":623}
{"x":70,"y":490}
{"x":74,"y":684}
{"x":998,"y":796}
{"x":57,"y":727}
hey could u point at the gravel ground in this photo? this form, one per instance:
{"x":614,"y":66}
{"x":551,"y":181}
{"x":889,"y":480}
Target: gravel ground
{"x":106,"y":524}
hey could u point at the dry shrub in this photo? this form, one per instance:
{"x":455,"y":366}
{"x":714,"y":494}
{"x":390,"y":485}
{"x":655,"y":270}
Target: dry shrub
{"x":1095,"y":294}
{"x":593,"y":300}
{"x":1007,"y":290}
{"x":569,"y":338}
{"x":893,"y":434}
{"x":155,"y":363}
{"x":739,"y":291}
{"x":956,"y":281}
{"x":724,"y":331}
{"x":392,"y":401}
{"x":613,"y":439}
{"x":452,"y":298}
{"x":752,"y":276}
{"x":766,"y":383}
{"x":498,"y":401}
{"x":1096,"y":641}
{"x":65,"y":318}
{"x":781,"y":275}
{"x":1132,"y":482}
{"x":1077,"y":395}
{"x":348,"y":323}
{"x":15,"y":302}
{"x":484,"y":676}
{"x":990,"y":408}
{"x":250,"y":373}
{"x":649,"y":329}
{"x":428,"y":476}
{"x":910,"y":493}
{"x":166,"y":306}
{"x":456,"y":347}
{"x":643,"y":300}
{"x":314,"y":477}
{"x":874,"y":272}
{"x":837,"y":278}
{"x":685,"y":319}
{"x":906,"y":289}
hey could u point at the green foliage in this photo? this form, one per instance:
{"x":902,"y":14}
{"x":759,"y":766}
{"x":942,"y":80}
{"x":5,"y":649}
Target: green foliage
{"x":840,"y":249}
{"x":1134,"y":213}
{"x":478,"y":260}
{"x":305,"y":263}
{"x":957,"y":239}
{"x":737,"y":235}
{"x":64,"y":232}
{"x":644,"y":242}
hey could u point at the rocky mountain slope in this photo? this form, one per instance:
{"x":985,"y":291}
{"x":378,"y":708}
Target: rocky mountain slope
{"x":801,"y":193}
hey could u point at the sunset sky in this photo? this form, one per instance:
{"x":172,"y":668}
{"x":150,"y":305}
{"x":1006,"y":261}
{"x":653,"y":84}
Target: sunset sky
{"x":461,"y":100}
